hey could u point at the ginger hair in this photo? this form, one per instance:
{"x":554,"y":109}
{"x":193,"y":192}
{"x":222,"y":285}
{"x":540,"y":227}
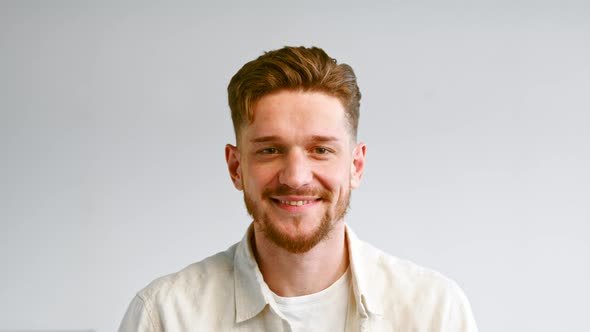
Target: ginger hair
{"x":296,"y":69}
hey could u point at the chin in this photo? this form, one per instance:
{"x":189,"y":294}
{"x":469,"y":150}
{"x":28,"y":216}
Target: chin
{"x":294,"y":238}
{"x":296,"y":234}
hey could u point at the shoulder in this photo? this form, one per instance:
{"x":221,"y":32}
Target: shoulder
{"x":405,"y":275}
{"x":195,"y":278}
{"x":410,"y":274}
{"x":414,"y":294}
{"x":185,"y":297}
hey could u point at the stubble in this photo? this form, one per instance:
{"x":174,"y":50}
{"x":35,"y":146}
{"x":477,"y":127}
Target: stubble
{"x":300,"y":243}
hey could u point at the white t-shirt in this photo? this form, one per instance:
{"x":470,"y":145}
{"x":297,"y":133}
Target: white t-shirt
{"x":322,"y":311}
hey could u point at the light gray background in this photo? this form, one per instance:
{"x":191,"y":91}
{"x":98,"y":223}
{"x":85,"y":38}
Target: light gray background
{"x":114,"y":118}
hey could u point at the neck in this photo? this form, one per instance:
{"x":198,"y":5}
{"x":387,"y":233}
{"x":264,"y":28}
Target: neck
{"x":288,"y":274}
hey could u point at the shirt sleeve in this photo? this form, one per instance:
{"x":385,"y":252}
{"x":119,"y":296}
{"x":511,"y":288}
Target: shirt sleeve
{"x":459,"y":316}
{"x":138,"y":318}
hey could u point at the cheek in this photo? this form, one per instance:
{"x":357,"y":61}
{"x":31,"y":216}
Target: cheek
{"x":336,"y":177}
{"x":259,"y":177}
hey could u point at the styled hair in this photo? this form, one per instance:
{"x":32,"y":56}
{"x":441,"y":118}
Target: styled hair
{"x":292,"y":68}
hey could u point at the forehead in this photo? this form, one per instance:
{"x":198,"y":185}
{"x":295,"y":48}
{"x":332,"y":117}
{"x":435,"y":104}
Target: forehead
{"x":296,"y":114}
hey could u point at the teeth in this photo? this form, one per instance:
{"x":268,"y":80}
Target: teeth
{"x":295,"y":203}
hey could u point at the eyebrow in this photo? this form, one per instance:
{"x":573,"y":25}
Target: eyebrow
{"x":274,"y":138}
{"x":264,"y":139}
{"x":318,"y":138}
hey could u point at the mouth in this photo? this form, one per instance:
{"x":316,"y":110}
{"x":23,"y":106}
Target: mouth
{"x":295,"y":204}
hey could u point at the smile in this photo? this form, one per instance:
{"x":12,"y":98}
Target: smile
{"x":295,"y":203}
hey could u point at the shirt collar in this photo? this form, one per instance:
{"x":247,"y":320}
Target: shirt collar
{"x":364,"y":265}
{"x":252,"y":293}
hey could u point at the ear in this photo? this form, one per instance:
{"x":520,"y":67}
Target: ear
{"x":358,"y":165}
{"x":232,"y":157}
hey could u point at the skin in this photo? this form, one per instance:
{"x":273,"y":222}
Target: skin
{"x":298,"y":148}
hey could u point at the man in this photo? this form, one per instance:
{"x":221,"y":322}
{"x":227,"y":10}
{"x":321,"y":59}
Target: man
{"x":299,"y":267}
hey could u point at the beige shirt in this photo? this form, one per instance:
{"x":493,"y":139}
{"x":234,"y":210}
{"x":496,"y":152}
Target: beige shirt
{"x":226,"y":292}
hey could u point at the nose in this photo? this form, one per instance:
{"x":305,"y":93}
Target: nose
{"x":296,"y":171}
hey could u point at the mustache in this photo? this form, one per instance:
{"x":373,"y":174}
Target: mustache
{"x":287,"y":191}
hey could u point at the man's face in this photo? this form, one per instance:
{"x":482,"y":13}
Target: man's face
{"x":296,"y":163}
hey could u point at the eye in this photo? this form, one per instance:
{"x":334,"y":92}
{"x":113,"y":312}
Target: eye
{"x":321,"y":150}
{"x":269,"y":151}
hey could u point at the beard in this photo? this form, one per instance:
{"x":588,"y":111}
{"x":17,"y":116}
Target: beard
{"x":300,"y":243}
